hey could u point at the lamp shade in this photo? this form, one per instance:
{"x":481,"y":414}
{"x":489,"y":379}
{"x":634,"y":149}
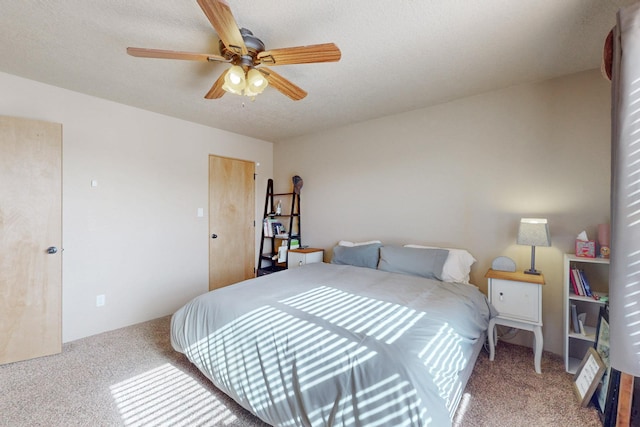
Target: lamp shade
{"x":256,"y":83}
{"x":534,"y":232}
{"x":234,"y":80}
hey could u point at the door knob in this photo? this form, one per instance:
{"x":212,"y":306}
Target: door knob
{"x":52,"y":250}
{"x":214,"y":236}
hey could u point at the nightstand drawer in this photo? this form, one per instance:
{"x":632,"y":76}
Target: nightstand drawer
{"x":516,"y":300}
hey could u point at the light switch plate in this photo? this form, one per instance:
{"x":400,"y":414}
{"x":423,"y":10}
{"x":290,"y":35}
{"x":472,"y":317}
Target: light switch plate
{"x":100,"y":300}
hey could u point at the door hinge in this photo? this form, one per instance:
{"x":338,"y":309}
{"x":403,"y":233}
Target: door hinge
{"x":254,"y":176}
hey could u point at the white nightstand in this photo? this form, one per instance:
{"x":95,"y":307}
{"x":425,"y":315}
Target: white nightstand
{"x":302,"y":256}
{"x":518,"y":298}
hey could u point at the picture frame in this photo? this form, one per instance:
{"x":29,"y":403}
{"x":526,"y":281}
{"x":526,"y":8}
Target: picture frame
{"x":602,"y":346}
{"x":588,"y":376}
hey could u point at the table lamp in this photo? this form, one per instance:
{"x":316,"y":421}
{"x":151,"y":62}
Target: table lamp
{"x":533,"y":232}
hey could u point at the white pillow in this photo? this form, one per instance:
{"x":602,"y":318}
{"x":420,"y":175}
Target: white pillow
{"x":457,"y":266}
{"x":351,"y":244}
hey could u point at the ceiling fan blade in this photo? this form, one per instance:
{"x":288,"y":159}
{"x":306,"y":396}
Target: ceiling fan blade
{"x":216,"y":90}
{"x":327,"y":52}
{"x":219,"y":14}
{"x":283,"y":85}
{"x":141,"y":52}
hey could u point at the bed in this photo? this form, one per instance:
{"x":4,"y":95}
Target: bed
{"x":338,"y":343}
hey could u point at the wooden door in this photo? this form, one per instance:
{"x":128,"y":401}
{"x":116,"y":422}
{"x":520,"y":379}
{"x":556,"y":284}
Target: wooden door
{"x":231,"y":221}
{"x":30,"y":223}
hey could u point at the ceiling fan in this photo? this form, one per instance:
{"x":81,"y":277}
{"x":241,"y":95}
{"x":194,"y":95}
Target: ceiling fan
{"x":248,"y":74}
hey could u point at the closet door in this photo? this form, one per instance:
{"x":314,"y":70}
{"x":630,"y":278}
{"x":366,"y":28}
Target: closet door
{"x":232,"y":216}
{"x":30,"y":239}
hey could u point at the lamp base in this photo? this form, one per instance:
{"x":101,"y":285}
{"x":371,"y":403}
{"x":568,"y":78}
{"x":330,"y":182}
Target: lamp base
{"x":531,"y":271}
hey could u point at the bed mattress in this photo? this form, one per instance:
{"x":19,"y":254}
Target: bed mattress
{"x":325,"y":345}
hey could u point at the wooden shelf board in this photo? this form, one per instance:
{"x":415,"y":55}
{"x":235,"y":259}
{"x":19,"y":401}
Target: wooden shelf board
{"x":575,"y":297}
{"x":573,"y":258}
{"x":590,"y":334}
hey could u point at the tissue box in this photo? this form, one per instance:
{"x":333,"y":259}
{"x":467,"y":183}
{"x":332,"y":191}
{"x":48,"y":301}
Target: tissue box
{"x":586,"y":248}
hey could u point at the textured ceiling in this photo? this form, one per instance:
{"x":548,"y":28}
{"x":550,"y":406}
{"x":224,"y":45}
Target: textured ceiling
{"x":396,"y":55}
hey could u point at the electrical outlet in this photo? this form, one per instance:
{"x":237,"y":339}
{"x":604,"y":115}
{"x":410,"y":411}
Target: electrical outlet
{"x":100,"y":300}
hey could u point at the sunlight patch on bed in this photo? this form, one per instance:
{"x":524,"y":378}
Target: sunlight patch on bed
{"x":383,"y":321}
{"x":281,"y":339}
{"x":445,"y":359}
{"x":278,"y":352}
{"x":392,"y":401}
{"x":167,"y":396}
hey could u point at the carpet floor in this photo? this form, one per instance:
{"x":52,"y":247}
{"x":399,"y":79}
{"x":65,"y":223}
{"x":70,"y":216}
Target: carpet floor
{"x":132,"y":377}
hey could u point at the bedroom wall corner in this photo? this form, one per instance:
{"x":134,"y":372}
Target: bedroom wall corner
{"x":462,"y":174}
{"x":135,"y":237}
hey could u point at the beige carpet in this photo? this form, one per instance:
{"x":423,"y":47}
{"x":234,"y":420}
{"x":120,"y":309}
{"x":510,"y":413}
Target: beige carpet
{"x":132,"y":377}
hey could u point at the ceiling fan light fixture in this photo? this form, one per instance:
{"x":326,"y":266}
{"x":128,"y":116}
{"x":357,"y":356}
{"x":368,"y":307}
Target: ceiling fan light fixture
{"x":248,"y":92}
{"x":235,"y":80}
{"x":244,"y":51}
{"x":256,"y":82}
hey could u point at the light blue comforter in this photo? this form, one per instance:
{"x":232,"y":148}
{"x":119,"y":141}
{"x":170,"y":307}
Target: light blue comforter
{"x":333,"y":345}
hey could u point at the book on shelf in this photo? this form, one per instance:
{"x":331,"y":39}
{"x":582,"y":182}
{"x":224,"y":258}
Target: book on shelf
{"x":574,"y":319}
{"x":276,"y":228}
{"x":585,"y":283}
{"x":572,"y":279}
{"x":581,"y":323}
{"x":582,"y":317}
{"x":578,"y":282}
{"x":272,"y":227}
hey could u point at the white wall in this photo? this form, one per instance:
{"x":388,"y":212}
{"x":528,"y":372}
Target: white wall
{"x":462,"y":174}
{"x":459,"y":174}
{"x":135,"y":237}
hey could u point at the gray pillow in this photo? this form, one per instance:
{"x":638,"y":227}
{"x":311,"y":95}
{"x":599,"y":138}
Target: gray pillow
{"x":360,"y":256}
{"x":417,"y":262}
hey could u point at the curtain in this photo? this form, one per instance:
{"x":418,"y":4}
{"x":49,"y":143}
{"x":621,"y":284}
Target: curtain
{"x":624,"y":286}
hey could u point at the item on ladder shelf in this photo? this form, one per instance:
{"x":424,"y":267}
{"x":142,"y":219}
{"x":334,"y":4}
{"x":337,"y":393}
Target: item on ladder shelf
{"x":297,"y":184}
{"x":282,"y":252}
{"x":277,"y":239}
